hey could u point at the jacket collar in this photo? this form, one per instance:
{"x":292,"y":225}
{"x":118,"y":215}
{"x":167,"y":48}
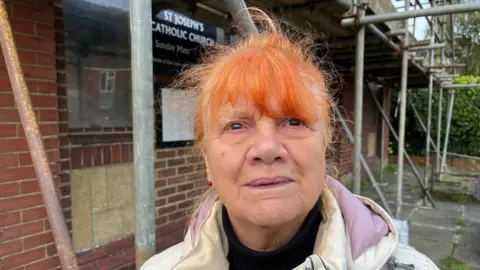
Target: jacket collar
{"x":355,"y":233}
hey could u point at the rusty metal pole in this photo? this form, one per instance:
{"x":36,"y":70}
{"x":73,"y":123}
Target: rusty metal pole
{"x":35,"y":144}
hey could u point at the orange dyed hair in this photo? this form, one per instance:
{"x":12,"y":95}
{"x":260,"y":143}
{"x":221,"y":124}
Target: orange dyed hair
{"x":266,"y":64}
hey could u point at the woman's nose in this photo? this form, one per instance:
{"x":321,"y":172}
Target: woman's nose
{"x":266,"y":147}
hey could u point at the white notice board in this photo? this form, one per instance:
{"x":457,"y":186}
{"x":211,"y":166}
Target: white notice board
{"x":177,"y":115}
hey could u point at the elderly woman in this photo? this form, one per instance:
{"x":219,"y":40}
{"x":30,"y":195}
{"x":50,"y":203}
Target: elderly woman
{"x":264,"y":126}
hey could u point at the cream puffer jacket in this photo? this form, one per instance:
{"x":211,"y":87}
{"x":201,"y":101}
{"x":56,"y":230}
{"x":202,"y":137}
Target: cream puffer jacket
{"x":355,"y":233}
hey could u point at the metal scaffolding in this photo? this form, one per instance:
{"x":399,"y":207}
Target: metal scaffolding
{"x":436,"y":73}
{"x":143,"y":112}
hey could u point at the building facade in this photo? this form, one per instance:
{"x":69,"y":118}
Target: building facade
{"x":75,"y":55}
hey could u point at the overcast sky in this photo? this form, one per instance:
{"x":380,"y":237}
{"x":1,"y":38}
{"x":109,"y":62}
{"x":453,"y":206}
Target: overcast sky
{"x":421,"y":24}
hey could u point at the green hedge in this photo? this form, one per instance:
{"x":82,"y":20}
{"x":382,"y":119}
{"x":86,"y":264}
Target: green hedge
{"x":464,"y":136}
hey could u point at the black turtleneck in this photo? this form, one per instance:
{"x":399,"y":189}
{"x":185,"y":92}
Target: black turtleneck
{"x":287,"y":257}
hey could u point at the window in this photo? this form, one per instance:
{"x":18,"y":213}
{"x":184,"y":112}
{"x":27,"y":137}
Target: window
{"x":107,"y":89}
{"x":97,"y":52}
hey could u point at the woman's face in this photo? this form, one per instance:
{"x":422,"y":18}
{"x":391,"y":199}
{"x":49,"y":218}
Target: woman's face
{"x":266,"y":171}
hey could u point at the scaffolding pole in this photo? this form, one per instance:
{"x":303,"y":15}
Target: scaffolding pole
{"x":459,"y":86}
{"x":407,"y":157}
{"x":396,"y":16}
{"x":383,"y":142}
{"x":357,"y":150}
{"x":35,"y":143}
{"x":451,"y":99}
{"x":429,"y":106}
{"x":403,"y":103}
{"x":364,"y":163}
{"x":143,"y":127}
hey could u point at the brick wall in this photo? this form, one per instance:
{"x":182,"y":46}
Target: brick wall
{"x":371,"y":124}
{"x":25,"y":236}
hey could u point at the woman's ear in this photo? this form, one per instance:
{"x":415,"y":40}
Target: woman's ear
{"x":207,"y":167}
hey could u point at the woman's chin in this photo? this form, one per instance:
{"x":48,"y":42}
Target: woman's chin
{"x":274,"y":212}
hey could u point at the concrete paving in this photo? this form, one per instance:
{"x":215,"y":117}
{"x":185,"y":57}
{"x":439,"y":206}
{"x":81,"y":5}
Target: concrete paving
{"x":450,"y":229}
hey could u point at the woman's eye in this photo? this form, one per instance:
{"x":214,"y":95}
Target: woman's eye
{"x":235,"y":126}
{"x":295,"y":122}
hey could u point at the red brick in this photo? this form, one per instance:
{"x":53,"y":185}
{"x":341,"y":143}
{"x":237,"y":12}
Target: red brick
{"x":186,"y":151}
{"x":166,"y":173}
{"x":24,"y":258}
{"x":160,"y":183}
{"x":185,"y":187}
{"x":5,"y":84}
{"x":27,"y":57}
{"x":51,"y":250}
{"x":9,"y":219}
{"x":117,"y":260}
{"x":125,"y":153}
{"x":7,"y":190}
{"x":8,"y":130}
{"x":49,"y":101}
{"x":10,"y":248}
{"x":16,"y":203}
{"x":34,"y":43}
{"x":166,"y":154}
{"x":46,"y":59}
{"x":165,"y":191}
{"x":185,"y":169}
{"x":176,"y":162}
{"x":160,"y":164}
{"x":160,"y":202}
{"x":9,"y":160}
{"x":19,"y":173}
{"x":77,"y":158}
{"x":13,"y":145}
{"x":120,"y":245}
{"x":172,"y":227}
{"x":9,"y":115}
{"x":34,"y":14}
{"x":161,"y":220}
{"x":176,"y":215}
{"x":22,"y":26}
{"x":46,"y":87}
{"x":48,"y":115}
{"x":7,"y":99}
{"x":166,"y":210}
{"x":21,"y":230}
{"x":51,"y":143}
{"x":29,"y":186}
{"x":176,"y":180}
{"x":66,"y":203}
{"x":116,"y":154}
{"x":49,"y":263}
{"x":34,"y":214}
{"x":176,"y":198}
{"x":45,"y":30}
{"x":37,"y":72}
{"x":87,"y":156}
{"x":37,"y":240}
{"x":97,"y":156}
{"x":186,"y":204}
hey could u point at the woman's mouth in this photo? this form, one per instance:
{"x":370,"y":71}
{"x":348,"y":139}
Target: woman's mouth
{"x":269,"y":182}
